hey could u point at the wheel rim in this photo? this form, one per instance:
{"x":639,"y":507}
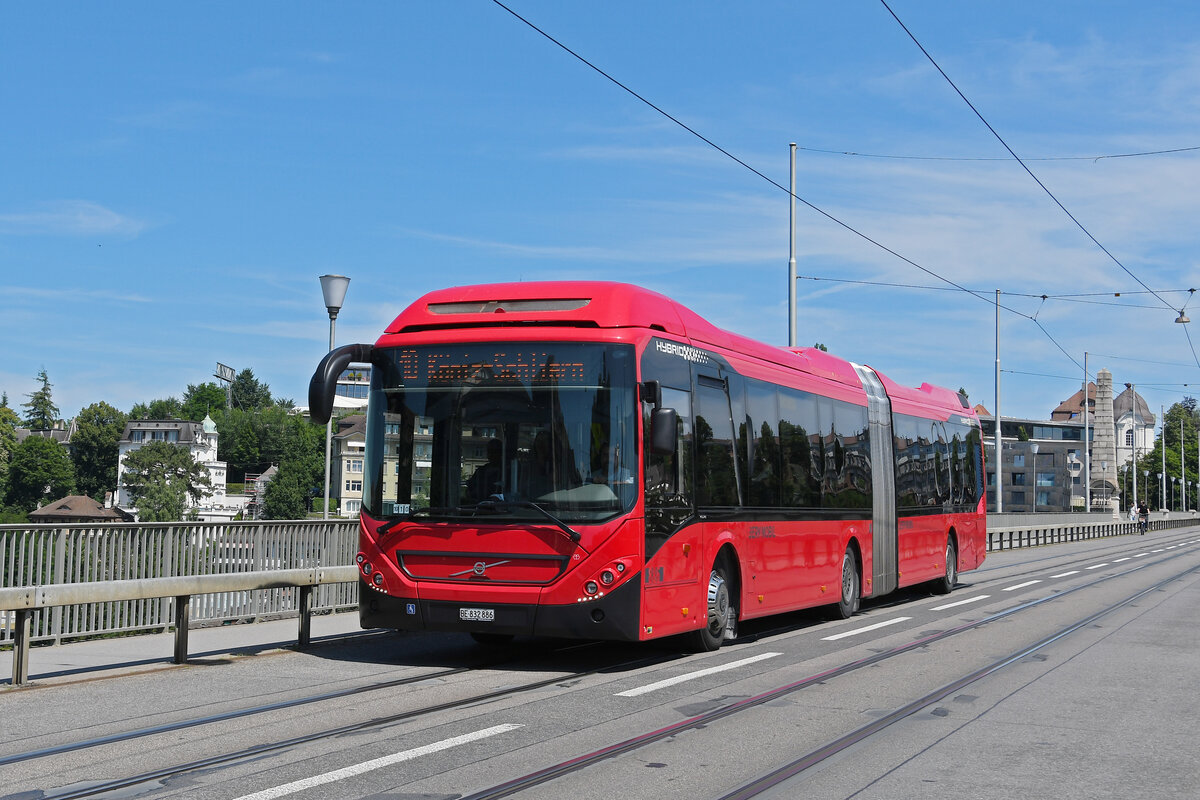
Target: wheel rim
{"x":951,"y":565}
{"x":718,"y":604}
{"x":848,"y":577}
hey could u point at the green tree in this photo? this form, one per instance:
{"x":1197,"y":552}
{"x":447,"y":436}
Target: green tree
{"x":250,"y":393}
{"x":161,"y":478}
{"x":821,"y":347}
{"x":203,"y":400}
{"x":98,"y":428}
{"x":166,"y":408}
{"x":1152,"y":462}
{"x":238,"y":445}
{"x":9,"y":421}
{"x":40,"y":411}
{"x":40,"y":471}
{"x":284,"y":497}
{"x":251,"y":441}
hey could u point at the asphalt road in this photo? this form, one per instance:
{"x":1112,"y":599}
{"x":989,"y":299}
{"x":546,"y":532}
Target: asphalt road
{"x":1078,"y":684}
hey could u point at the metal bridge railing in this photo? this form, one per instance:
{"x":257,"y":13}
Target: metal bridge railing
{"x":1034,"y":533}
{"x":43,"y":555}
{"x":73,"y":581}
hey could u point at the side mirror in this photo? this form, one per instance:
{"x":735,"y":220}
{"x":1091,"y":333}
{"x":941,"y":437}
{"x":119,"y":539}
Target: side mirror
{"x":663,"y":422}
{"x":324,"y":381}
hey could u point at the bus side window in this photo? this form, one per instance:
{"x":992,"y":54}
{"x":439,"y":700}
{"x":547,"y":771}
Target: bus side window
{"x":717,"y":480}
{"x":668,"y":475}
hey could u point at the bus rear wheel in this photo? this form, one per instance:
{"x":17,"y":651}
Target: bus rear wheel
{"x":851,"y":588}
{"x":722,"y":613}
{"x":945,"y":584}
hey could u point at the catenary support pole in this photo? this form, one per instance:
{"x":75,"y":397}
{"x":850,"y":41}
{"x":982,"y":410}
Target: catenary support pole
{"x":1087,"y":443}
{"x":1136,"y":432}
{"x":1163,"y":483}
{"x":792,"y":338}
{"x":999,"y":453}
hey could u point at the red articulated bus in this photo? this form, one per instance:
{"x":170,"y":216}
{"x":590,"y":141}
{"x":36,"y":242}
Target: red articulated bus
{"x":594,"y":460}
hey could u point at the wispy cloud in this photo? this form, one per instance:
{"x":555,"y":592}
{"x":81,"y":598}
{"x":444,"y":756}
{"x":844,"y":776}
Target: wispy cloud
{"x":175,"y":115}
{"x":627,"y":153}
{"x":66,"y":294}
{"x":70,"y":218}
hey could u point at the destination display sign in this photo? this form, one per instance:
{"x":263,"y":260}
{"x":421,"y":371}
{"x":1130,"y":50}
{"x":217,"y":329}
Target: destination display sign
{"x":532,"y":366}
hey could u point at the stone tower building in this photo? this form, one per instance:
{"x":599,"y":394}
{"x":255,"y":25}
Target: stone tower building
{"x":1104,"y":444}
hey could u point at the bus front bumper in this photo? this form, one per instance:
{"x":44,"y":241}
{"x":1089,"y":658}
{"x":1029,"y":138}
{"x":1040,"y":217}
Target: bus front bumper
{"x":614,"y":617}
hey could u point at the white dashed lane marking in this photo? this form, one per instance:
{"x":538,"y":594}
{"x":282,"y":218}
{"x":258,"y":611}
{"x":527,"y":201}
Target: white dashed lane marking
{"x":975,"y":599}
{"x":374,"y":764}
{"x":874,"y":627}
{"x":691,"y":676}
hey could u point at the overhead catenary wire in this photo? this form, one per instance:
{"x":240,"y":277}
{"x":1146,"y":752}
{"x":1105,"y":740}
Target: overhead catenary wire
{"x":1025,"y":166}
{"x":898,"y":157}
{"x":1163,"y":388}
{"x":1068,"y":298}
{"x":846,"y":226}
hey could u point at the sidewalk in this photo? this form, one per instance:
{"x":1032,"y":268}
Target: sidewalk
{"x":96,"y":658}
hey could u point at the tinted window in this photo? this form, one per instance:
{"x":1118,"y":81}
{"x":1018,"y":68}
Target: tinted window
{"x":800,"y":486}
{"x":716,"y":477}
{"x":765,"y":459}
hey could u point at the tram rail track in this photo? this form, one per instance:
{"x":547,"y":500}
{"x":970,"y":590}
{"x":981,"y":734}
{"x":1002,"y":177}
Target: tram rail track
{"x":579,"y":763}
{"x":815,"y":757}
{"x":828,"y":750}
{"x":210,"y":719}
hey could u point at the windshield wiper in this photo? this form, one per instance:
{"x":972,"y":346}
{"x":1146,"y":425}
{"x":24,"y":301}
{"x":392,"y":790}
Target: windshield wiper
{"x":506,"y":505}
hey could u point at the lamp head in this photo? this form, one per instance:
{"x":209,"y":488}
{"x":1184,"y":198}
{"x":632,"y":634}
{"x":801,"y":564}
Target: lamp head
{"x":333,"y":288}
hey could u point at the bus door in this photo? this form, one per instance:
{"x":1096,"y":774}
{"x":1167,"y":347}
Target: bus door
{"x":884,"y":545}
{"x":668,"y":577}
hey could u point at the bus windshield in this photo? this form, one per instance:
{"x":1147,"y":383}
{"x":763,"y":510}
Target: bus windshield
{"x":497,"y":431}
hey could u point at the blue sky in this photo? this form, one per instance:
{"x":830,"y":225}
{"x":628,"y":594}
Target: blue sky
{"x":174,"y":178}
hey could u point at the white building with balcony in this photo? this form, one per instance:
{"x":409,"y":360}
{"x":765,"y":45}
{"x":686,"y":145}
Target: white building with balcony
{"x":200,"y":438}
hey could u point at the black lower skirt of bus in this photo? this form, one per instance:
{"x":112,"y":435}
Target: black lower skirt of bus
{"x":614,"y":616}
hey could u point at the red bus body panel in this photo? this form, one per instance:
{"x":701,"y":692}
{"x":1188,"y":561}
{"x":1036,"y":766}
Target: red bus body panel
{"x":782,"y":565}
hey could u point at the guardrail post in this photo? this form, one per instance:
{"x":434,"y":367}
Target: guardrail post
{"x":21,"y":636}
{"x":183,"y":608}
{"x":305,"y":608}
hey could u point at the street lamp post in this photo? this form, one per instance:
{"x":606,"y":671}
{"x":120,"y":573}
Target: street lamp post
{"x":333,"y":288}
{"x":1136,"y":432}
{"x":1146,"y":475}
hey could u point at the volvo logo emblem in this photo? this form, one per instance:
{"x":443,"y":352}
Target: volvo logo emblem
{"x":479,"y":570}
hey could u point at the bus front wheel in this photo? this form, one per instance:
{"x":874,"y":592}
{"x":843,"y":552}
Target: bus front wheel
{"x":722,"y":613}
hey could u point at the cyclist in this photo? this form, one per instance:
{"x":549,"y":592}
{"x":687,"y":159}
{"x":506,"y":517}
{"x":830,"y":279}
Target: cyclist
{"x":1143,"y":517}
